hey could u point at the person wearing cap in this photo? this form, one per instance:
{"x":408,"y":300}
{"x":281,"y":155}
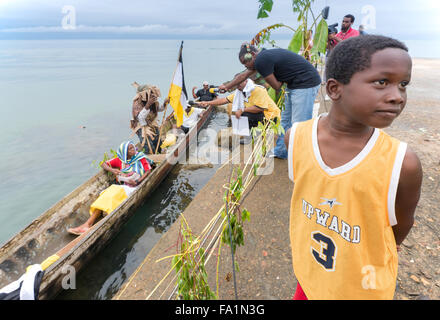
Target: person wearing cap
{"x":204,"y":94}
{"x":144,"y":115}
{"x":190,"y":117}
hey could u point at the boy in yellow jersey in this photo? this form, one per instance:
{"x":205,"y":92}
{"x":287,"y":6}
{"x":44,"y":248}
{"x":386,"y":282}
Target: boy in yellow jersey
{"x":355,"y":187}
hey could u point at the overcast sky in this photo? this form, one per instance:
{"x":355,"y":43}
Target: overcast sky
{"x":405,"y":19}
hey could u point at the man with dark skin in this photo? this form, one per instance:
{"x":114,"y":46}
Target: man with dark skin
{"x":346,"y":30}
{"x":203,"y":94}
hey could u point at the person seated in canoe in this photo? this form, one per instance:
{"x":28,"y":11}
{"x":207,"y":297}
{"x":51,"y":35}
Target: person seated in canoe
{"x":130,"y":168}
{"x":144,"y":115}
{"x":190,"y":116}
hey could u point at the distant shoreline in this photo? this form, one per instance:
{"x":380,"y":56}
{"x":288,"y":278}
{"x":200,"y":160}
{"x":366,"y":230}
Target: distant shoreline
{"x":18,"y":35}
{"x":418,"y":49}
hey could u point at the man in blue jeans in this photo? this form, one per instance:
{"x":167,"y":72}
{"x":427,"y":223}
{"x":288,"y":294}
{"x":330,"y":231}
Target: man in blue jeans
{"x":278,"y":67}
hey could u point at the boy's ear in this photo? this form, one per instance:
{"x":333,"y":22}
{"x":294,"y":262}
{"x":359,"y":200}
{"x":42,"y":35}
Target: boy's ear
{"x":333,"y":88}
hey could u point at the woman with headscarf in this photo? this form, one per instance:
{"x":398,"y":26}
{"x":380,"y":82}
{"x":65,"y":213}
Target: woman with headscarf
{"x":144,"y":115}
{"x":130,"y":168}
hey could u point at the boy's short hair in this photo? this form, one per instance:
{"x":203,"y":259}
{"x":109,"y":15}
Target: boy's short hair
{"x":354,"y":55}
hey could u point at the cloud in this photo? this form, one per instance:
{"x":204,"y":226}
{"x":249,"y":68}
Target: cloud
{"x":199,"y":17}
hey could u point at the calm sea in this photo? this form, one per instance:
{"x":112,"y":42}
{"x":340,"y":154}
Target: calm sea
{"x":63,"y":103}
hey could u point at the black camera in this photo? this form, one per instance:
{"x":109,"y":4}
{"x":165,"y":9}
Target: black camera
{"x":332,"y":28}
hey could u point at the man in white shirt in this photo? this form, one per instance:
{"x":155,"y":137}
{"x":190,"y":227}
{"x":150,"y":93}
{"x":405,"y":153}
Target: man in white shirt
{"x":190,"y":117}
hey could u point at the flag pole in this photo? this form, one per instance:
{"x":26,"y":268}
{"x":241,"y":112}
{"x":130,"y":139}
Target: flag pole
{"x":165,"y":110}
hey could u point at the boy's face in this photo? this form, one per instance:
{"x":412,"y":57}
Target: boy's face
{"x":377,"y":95}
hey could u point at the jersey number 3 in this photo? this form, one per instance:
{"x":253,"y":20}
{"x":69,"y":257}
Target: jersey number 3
{"x":326,"y":256}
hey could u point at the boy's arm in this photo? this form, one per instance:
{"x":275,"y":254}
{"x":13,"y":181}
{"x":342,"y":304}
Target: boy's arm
{"x":408,"y":194}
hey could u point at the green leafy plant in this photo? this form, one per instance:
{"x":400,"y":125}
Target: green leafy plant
{"x":233,"y":234}
{"x":265,"y":8}
{"x":302,"y":34}
{"x":189,"y":264}
{"x":107,"y":156}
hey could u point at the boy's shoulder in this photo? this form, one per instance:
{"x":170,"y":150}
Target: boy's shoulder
{"x":304,"y":125}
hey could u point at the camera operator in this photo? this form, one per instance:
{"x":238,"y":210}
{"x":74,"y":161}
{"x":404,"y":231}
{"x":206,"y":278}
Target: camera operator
{"x":332,"y":32}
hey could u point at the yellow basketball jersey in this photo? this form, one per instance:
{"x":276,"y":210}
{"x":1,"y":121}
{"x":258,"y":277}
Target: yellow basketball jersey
{"x":341,"y":219}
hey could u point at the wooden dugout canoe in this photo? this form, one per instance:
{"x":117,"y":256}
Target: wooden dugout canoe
{"x":47,"y":234}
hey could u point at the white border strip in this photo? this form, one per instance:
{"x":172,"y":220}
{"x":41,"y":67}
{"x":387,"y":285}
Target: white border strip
{"x":395,"y":176}
{"x":290,"y":150}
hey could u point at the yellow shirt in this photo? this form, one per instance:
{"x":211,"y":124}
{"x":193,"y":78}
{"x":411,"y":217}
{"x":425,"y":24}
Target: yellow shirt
{"x":260,"y":98}
{"x":341,"y":219}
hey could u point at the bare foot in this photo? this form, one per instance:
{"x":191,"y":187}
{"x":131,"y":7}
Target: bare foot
{"x":78,"y":230}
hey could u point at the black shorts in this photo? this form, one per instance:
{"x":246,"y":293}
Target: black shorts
{"x":253,"y":118}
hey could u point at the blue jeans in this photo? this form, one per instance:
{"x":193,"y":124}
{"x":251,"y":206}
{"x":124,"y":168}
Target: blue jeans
{"x":298,"y":107}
